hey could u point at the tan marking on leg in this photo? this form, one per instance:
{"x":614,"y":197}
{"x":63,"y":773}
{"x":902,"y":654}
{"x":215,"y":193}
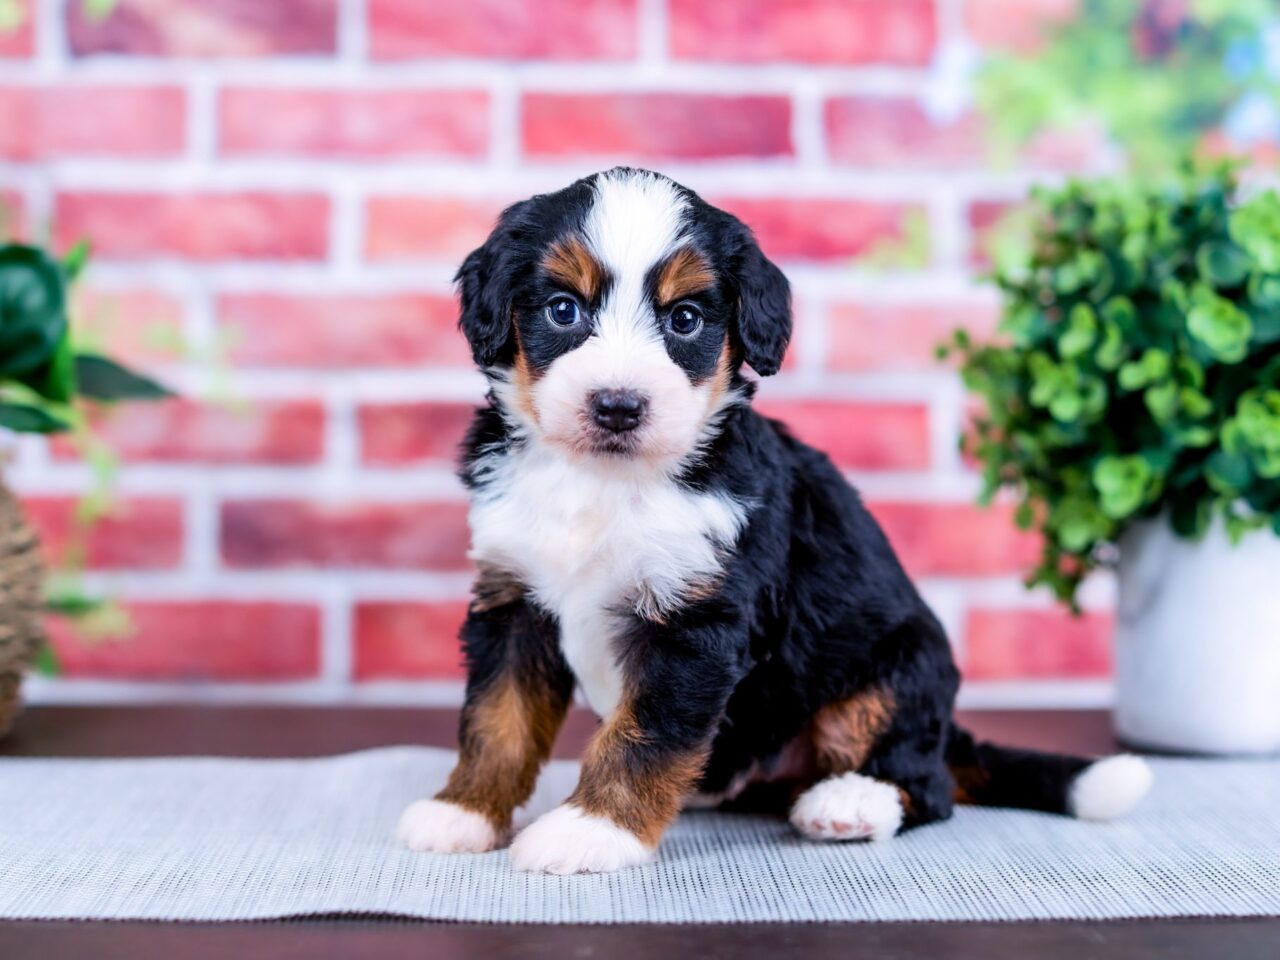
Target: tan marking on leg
{"x":507,"y":734}
{"x":970,"y":782}
{"x":643,"y":800}
{"x":844,"y":732}
{"x":685,"y":273}
{"x":570,"y":263}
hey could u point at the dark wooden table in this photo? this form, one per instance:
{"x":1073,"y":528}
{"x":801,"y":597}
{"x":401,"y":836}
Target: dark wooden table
{"x":316,"y":731}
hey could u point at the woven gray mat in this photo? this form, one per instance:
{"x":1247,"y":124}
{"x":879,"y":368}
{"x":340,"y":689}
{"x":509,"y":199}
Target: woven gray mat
{"x":217,"y":839}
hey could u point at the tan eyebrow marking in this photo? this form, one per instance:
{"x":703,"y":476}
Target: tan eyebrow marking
{"x":571,"y":263}
{"x":685,"y":273}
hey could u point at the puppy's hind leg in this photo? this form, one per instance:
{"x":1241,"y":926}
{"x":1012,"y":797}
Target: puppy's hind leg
{"x":845,"y":804}
{"x":882,"y":751}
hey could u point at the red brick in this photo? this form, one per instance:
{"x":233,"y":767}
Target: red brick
{"x":655,"y":125}
{"x":291,"y":533}
{"x":503,"y":29}
{"x":354,"y":123}
{"x":804,"y":31}
{"x":18,"y":39}
{"x":204,"y":226}
{"x":859,"y":435}
{"x":897,"y":132}
{"x":206,"y":28}
{"x":142,"y":534}
{"x":198,"y":640}
{"x":132,"y":325}
{"x":1036,"y":645}
{"x":48,"y":122}
{"x":956,"y":539}
{"x":1015,"y":24}
{"x":448,"y":228}
{"x":408,"y":641}
{"x":393,"y":434}
{"x":261,"y":431}
{"x":874,"y":335}
{"x":818,"y":228}
{"x":393,"y":330}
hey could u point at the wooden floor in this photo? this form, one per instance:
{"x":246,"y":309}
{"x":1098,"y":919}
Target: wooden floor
{"x":317,"y":731}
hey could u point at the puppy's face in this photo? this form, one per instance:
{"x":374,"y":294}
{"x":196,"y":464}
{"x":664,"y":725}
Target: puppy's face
{"x":614,"y":315}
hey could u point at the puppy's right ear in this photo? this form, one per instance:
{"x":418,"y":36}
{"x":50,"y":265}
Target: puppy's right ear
{"x":485,"y":288}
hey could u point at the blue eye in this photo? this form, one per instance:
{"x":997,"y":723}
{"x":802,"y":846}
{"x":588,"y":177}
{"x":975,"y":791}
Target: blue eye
{"x":685,"y":320}
{"x":563,"y":311}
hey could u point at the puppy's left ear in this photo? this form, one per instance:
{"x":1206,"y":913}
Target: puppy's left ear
{"x":764,"y":308}
{"x":484,"y":288}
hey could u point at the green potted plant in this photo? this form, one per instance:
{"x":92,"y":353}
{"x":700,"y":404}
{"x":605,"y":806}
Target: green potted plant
{"x":43,"y":376}
{"x":1132,"y":408}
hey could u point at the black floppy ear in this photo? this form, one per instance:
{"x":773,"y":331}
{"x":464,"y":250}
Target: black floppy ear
{"x":764,"y":308}
{"x":484,"y":287}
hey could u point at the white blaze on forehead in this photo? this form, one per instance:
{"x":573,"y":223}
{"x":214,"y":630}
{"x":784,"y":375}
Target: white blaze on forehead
{"x":636,"y":222}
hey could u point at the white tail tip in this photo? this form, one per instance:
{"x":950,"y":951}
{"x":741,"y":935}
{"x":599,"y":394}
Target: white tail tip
{"x":1110,"y":788}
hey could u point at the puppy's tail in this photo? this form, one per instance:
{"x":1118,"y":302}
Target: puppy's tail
{"x":992,"y":776}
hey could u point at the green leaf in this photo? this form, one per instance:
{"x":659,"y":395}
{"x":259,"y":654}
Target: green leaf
{"x":1122,"y":483}
{"x":1162,"y":401}
{"x":1153,"y":365}
{"x":1220,"y":325}
{"x":33,"y":317}
{"x":1066,"y":407}
{"x":74,"y":262}
{"x":102,"y":379}
{"x":57,"y":381}
{"x":1264,"y":290}
{"x":1255,"y":226}
{"x":22,"y":418}
{"x":1222,"y":264}
{"x":1112,"y":350}
{"x":47,"y":662}
{"x":1082,"y":329}
{"x":1228,"y":473}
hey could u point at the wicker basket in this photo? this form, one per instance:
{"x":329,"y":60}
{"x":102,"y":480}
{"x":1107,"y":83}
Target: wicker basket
{"x":21,"y":590}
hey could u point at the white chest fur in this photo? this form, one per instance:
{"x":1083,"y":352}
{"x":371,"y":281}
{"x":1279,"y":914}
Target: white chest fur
{"x":591,"y":540}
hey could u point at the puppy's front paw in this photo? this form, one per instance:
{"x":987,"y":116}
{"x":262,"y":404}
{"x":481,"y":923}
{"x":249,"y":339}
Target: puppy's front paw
{"x":567,"y":840}
{"x":436,"y":826}
{"x":848,"y":807}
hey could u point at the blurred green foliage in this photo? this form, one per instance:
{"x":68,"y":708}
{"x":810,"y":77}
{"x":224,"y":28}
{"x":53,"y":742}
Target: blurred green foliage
{"x":1159,"y":74}
{"x":41,"y":371}
{"x":1139,"y":367}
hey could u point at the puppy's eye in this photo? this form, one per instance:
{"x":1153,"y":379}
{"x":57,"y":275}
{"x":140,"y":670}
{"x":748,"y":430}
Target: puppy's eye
{"x":685,"y":320}
{"x":563,"y":311}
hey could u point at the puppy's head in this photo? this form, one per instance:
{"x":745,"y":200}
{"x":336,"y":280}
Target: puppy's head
{"x":613,"y":316}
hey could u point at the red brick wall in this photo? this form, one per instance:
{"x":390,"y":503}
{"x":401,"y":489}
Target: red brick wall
{"x":290,"y":185}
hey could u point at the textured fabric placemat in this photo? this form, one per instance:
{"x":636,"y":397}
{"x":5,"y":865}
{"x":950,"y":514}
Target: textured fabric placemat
{"x":218,"y":839}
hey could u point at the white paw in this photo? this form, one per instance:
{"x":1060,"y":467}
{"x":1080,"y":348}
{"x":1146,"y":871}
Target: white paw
{"x":436,"y":826}
{"x":566,"y":840}
{"x":848,"y":807}
{"x":1110,"y":788}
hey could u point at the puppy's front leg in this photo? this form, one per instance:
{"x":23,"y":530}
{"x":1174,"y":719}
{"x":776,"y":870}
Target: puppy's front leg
{"x":643,"y":761}
{"x":518,"y":690}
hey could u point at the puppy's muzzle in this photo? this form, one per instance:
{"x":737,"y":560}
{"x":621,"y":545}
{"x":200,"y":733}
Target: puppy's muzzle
{"x":618,"y":411}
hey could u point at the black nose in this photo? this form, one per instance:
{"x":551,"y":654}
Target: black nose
{"x":617,"y":410}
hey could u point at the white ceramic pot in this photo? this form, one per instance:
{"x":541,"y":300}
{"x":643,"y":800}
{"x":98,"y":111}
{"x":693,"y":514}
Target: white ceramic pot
{"x":1198,"y":641}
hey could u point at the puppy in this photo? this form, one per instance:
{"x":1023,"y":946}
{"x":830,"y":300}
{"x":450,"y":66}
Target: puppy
{"x":714,"y":587}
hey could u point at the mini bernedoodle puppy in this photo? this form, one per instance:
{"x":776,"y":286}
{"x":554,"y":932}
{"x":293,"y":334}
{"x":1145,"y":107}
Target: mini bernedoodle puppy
{"x":714,"y":587}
